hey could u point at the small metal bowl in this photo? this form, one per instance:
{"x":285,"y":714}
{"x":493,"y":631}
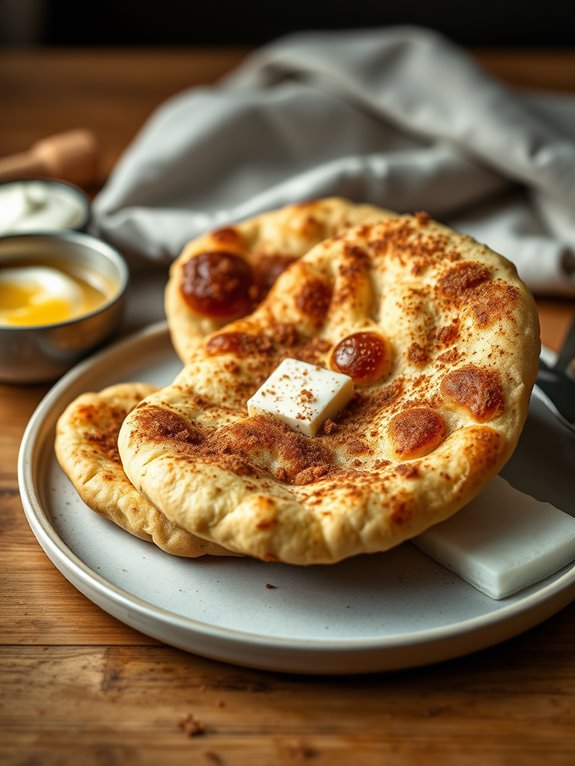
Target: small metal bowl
{"x":40,"y":353}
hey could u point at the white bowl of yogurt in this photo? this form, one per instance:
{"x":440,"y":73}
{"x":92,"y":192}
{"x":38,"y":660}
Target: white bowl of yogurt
{"x":34,"y":205}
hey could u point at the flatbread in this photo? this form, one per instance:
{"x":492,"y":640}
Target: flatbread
{"x":438,"y":415}
{"x":224,"y":274}
{"x":86,"y":448}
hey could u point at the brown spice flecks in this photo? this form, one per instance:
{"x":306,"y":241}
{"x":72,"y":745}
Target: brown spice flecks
{"x":284,"y":334}
{"x":312,"y":474}
{"x":86,"y":413}
{"x":406,"y":242}
{"x":356,"y":446}
{"x":306,"y":395}
{"x":494,"y":301}
{"x":358,"y":254}
{"x":351,"y":275}
{"x":418,"y":266}
{"x":417,"y":354}
{"x":191,"y":726}
{"x":160,"y":424}
{"x":448,"y":334}
{"x":269,"y":586}
{"x":269,"y":440}
{"x":393,"y":237}
{"x":450,"y":356}
{"x":241,"y":344}
{"x":483,"y":449}
{"x":108,"y":423}
{"x":282,"y":474}
{"x":400,"y":510}
{"x":329,"y":427}
{"x":387,"y":395}
{"x":476,"y":389}
{"x":408,"y":470}
{"x":231,"y":463}
{"x":312,"y":351}
{"x":460,"y":280}
{"x":313,"y":299}
{"x":363,"y":408}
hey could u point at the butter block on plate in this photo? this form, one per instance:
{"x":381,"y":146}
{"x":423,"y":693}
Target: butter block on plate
{"x":503,"y":541}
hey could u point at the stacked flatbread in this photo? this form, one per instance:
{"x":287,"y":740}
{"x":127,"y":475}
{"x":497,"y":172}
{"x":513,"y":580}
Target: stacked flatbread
{"x":86,"y":438}
{"x":437,"y":331}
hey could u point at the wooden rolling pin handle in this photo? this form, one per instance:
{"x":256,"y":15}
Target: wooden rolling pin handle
{"x":72,"y":156}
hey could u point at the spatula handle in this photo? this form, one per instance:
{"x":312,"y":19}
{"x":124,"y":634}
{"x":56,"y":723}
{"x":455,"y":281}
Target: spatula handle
{"x":72,"y":156}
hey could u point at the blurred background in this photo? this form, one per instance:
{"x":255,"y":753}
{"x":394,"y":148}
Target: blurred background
{"x":61,"y":23}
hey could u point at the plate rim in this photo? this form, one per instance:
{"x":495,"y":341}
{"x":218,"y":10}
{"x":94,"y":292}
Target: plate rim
{"x":33,"y":445}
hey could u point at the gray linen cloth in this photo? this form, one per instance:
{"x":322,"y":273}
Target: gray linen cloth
{"x":398,"y":117}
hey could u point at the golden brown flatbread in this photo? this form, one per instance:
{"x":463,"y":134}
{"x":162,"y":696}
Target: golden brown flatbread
{"x":86,"y":448}
{"x":441,"y":337}
{"x":223,"y":275}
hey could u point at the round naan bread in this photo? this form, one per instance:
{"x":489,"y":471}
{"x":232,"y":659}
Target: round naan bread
{"x":223,"y":275}
{"x":441,"y":338}
{"x":86,"y":448}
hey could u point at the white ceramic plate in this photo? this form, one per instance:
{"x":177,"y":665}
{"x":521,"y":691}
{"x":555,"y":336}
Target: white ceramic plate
{"x":371,"y":613}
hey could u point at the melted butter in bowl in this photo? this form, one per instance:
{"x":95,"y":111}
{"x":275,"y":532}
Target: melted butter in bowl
{"x":61,"y":297}
{"x":45,"y":294}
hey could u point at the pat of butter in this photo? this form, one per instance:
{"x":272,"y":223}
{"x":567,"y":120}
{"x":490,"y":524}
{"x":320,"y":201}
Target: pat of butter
{"x":302,"y":395}
{"x":36,"y":295}
{"x":503,"y":541}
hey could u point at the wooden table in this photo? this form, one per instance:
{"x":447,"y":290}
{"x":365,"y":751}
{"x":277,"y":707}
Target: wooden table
{"x":78,"y":687}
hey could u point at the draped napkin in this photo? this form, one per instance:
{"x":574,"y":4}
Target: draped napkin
{"x":399,"y":117}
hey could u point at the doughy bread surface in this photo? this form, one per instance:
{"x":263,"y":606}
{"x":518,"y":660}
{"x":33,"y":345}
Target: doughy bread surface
{"x":268,"y":243}
{"x":411,"y":449}
{"x":86,"y":448}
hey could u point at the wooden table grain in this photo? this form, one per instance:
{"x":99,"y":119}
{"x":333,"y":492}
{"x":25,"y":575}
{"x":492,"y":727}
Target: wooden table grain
{"x":78,"y":687}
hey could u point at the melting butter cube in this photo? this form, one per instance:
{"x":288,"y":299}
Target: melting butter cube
{"x":302,"y":395}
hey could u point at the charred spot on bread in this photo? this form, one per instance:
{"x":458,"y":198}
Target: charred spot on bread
{"x":477,"y":390}
{"x":416,"y":432}
{"x":365,"y":356}
{"x":217,"y":284}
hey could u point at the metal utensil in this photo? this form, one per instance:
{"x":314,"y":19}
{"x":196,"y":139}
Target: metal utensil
{"x":555,"y":387}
